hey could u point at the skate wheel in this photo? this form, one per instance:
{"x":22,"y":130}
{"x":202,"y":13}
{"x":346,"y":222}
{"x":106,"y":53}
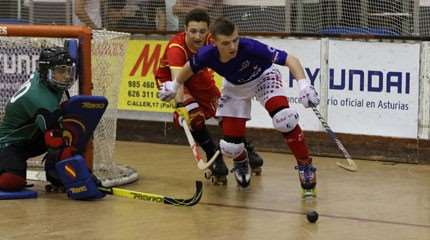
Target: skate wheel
{"x":48,"y":188}
{"x":219,"y":180}
{"x":243,"y":187}
{"x":257,"y":171}
{"x":208,"y":174}
{"x":57,"y":189}
{"x":309,"y":194}
{"x":61,"y":189}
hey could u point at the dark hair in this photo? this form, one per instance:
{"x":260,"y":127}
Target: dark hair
{"x":222,"y":26}
{"x":197,"y":15}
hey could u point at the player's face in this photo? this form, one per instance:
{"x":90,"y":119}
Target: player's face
{"x":227,"y":45}
{"x":64,"y":75}
{"x":195,"y":34}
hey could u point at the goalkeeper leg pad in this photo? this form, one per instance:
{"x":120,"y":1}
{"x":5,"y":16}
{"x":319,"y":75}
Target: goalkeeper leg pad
{"x":11,"y":182}
{"x":80,"y":184}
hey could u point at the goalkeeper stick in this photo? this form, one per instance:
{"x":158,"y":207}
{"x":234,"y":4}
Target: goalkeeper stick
{"x":121,"y":192}
{"x":201,"y":164}
{"x":351,"y":166}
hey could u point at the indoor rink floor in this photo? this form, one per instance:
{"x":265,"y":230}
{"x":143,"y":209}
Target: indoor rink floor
{"x":380,"y":201}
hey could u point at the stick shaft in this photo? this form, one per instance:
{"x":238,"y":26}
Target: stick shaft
{"x":121,"y":192}
{"x":352,"y":166}
{"x":190,"y":138}
{"x":201,"y":164}
{"x":137,"y":195}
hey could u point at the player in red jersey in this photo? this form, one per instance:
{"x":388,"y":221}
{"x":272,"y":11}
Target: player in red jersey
{"x":198,"y":99}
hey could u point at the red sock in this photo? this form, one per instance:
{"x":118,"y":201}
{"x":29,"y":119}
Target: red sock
{"x":295,"y":139}
{"x":296,"y":142}
{"x":11,"y":182}
{"x":236,"y":128}
{"x":241,"y":157}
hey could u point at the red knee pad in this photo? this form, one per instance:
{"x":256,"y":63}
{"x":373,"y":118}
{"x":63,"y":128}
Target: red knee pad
{"x":11,"y":182}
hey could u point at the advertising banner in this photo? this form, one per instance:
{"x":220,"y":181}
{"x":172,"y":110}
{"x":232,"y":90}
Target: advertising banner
{"x":138,"y":90}
{"x":373,"y":88}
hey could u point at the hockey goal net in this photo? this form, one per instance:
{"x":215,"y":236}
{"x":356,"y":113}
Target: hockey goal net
{"x":101,"y":55}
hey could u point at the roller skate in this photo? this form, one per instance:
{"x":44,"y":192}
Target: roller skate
{"x":255,"y":161}
{"x":54,"y":183}
{"x":242,"y":172}
{"x":51,"y":188}
{"x":217,"y":172}
{"x":308,"y":180}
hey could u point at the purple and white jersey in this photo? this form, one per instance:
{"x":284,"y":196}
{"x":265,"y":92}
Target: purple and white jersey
{"x":252,"y":59}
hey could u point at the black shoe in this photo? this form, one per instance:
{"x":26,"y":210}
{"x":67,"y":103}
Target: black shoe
{"x":218,"y":168}
{"x":217,"y":172}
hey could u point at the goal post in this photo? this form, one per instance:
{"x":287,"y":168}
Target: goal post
{"x":101,"y":56}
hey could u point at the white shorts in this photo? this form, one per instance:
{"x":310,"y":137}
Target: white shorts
{"x":235,"y":100}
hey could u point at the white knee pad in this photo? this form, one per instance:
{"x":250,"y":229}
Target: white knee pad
{"x":286,"y":120}
{"x":231,"y":150}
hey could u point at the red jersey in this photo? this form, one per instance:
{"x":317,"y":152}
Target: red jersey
{"x":202,"y":84}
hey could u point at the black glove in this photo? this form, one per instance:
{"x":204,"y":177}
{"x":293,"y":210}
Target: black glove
{"x":52,"y":119}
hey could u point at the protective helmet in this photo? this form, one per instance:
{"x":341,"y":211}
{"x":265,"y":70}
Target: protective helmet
{"x":57,"y":67}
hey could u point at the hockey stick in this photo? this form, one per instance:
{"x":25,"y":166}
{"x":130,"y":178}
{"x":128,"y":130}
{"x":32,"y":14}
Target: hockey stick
{"x":201,"y":164}
{"x":351,"y":166}
{"x":121,"y":192}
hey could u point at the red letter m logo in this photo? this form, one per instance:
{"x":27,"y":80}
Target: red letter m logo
{"x":145,"y":61}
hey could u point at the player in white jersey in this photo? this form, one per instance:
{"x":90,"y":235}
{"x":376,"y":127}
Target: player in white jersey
{"x":248,"y":69}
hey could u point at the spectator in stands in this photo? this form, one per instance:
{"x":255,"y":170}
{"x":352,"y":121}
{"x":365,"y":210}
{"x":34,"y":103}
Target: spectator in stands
{"x":171,"y":19}
{"x":182,"y":7}
{"x":142,"y":15}
{"x":113,"y":12}
{"x":267,"y":16}
{"x":87,"y":13}
{"x":105,"y":13}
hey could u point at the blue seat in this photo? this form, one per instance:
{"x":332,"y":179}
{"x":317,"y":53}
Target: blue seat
{"x":360,"y":31}
{"x":13,"y":21}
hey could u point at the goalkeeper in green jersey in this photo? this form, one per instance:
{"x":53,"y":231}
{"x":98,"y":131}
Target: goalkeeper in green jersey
{"x":32,"y":122}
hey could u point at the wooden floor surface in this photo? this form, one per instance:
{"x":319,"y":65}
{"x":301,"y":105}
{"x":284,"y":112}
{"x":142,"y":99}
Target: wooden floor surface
{"x":380,"y":201}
